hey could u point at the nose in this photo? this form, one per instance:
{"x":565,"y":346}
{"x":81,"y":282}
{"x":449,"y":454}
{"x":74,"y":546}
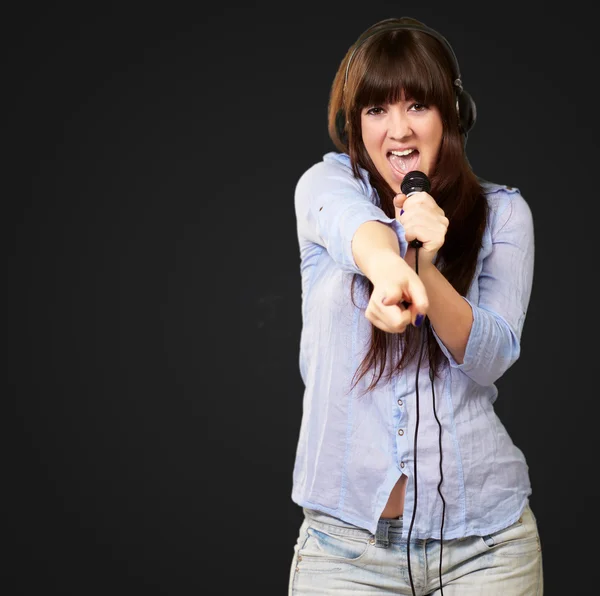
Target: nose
{"x":398,"y":123}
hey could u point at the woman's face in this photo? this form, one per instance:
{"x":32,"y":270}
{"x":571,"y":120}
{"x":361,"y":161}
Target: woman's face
{"x":402,"y":137}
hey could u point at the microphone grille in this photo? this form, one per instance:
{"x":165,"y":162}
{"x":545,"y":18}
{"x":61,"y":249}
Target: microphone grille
{"x":415,"y":181}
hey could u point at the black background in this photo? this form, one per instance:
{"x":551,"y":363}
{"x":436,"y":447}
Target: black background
{"x":154,"y":289}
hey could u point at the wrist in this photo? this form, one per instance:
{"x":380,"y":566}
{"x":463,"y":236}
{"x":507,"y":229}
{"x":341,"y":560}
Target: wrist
{"x":426,"y":258}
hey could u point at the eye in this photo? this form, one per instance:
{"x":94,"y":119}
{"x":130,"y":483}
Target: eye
{"x":418,"y":107}
{"x":375,"y":111}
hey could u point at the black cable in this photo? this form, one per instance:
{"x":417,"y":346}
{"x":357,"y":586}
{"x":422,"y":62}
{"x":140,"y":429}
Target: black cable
{"x":412,"y":521}
{"x":417,"y":245}
{"x":431,"y":377}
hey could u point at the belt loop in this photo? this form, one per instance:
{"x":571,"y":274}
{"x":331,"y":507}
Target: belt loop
{"x":381,"y":536}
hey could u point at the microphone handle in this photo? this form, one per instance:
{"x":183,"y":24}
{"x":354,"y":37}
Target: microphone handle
{"x":415,"y":243}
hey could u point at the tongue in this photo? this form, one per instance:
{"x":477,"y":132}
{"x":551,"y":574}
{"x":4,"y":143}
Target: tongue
{"x":404,"y":164}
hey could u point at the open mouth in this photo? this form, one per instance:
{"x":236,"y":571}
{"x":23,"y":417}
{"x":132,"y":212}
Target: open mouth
{"x":403,"y":162}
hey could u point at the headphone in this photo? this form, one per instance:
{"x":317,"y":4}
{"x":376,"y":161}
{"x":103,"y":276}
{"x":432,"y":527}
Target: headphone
{"x":465,"y":105}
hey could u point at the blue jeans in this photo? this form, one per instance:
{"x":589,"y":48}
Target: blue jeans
{"x":332,"y":557}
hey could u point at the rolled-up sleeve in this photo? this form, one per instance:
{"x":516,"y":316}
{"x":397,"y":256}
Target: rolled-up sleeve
{"x":331,"y":204}
{"x":504,"y":290}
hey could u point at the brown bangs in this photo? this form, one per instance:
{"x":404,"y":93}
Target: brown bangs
{"x":390,"y":68}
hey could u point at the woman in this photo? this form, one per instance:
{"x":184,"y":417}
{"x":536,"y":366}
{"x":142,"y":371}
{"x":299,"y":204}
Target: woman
{"x":413,"y":304}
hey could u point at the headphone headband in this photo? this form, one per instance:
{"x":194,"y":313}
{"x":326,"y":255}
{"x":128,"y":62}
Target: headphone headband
{"x":457,"y":82}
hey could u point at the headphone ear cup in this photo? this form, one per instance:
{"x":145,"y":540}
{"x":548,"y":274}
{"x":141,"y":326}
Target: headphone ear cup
{"x":467,"y":111}
{"x":340,"y":126}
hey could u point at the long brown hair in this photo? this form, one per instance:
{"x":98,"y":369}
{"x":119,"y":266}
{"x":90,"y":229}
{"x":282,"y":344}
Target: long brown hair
{"x":382,"y":67}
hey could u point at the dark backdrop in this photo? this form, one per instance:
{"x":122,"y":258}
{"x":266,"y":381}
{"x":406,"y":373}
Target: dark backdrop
{"x":154,"y":290}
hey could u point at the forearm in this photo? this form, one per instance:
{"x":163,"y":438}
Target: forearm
{"x":450,"y":315}
{"x":375,"y":247}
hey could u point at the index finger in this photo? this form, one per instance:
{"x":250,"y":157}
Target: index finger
{"x":419,"y":302}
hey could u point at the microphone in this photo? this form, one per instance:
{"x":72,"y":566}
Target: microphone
{"x":415,"y":181}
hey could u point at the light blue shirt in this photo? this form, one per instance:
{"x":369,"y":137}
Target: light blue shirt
{"x":352,"y":449}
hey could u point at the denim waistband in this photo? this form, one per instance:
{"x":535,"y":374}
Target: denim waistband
{"x":388,"y":530}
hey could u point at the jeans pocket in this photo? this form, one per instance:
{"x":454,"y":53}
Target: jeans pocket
{"x":516,"y":540}
{"x":329,"y":545}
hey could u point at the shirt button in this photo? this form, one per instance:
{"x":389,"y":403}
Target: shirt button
{"x":400,"y":432}
{"x":401,"y":464}
{"x":400,"y":402}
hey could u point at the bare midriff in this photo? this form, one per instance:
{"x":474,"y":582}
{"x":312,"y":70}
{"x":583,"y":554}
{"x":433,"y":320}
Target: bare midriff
{"x":395,"y":505}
